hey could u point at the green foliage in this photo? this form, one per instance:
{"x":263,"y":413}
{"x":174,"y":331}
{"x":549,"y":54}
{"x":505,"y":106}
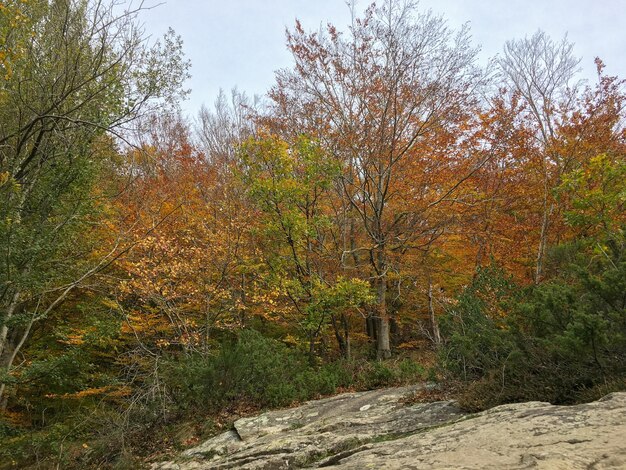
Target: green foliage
{"x":253,"y":369}
{"x":262,"y":372}
{"x":75,"y":68}
{"x":287,"y":184}
{"x":279,"y":174}
{"x":16,"y":21}
{"x":290,"y":184}
{"x":379,"y":375}
{"x":597,"y":193}
{"x":558,"y":340}
{"x":336,"y":298}
{"x":68,"y":392}
{"x":476,"y":330}
{"x":79,"y":65}
{"x":564,"y":340}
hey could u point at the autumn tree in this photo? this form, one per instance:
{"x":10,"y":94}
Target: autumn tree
{"x":15,"y":24}
{"x":493,"y":217}
{"x":84,"y":70}
{"x":563,"y":124}
{"x":372,"y":96}
{"x":183,"y":282}
{"x":292,"y":187}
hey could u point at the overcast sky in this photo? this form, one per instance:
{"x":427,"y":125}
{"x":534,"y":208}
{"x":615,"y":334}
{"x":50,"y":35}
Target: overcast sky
{"x":242,"y":42}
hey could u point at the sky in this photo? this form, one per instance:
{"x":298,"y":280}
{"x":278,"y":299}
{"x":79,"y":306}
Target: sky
{"x":240,"y":43}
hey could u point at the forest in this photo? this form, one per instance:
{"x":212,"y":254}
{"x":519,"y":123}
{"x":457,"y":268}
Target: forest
{"x":391,"y":211}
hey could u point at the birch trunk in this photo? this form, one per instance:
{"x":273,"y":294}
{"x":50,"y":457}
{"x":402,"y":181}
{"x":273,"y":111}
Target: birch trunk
{"x":433,"y":318}
{"x":383,"y":350}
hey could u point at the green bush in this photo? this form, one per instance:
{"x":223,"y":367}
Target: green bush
{"x":251,"y":370}
{"x":254,"y":368}
{"x":560,"y":341}
{"x":378,"y":374}
{"x":320,"y":381}
{"x":409,"y":371}
{"x":264,"y":372}
{"x":476,"y":330}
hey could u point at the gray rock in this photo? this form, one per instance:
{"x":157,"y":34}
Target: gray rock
{"x":377,"y":430}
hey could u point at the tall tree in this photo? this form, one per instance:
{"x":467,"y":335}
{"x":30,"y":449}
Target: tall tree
{"x":189,"y":230}
{"x":227,"y":125}
{"x":541,"y":72}
{"x":371,"y":97}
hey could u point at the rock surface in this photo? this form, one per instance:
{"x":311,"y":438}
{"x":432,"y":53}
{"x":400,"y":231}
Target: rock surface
{"x":376,"y":429}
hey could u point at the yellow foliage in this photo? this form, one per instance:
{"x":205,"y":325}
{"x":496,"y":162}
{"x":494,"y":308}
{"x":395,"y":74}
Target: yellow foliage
{"x":109,"y":391}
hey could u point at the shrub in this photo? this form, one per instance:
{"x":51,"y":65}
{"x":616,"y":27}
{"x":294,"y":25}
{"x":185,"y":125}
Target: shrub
{"x":263,"y":372}
{"x":254,"y":368}
{"x":475,"y":331}
{"x":561,"y":341}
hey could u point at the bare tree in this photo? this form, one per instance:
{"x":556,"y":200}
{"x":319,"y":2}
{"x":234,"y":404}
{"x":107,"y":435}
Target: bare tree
{"x":222,"y":129}
{"x":541,"y":71}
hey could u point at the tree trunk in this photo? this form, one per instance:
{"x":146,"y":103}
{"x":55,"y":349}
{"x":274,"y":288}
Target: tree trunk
{"x":543,"y":241}
{"x":311,"y":348}
{"x":346,"y":331}
{"x":8,"y":363}
{"x":7,"y":352}
{"x":341,"y":342}
{"x":431,"y":311}
{"x":383,"y":351}
{"x":394,"y":330}
{"x":370,"y":325}
{"x":4,"y":331}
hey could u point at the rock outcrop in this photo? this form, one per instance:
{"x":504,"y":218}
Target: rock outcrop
{"x":378,"y":430}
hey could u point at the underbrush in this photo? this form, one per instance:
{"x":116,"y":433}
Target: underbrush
{"x":563,"y":341}
{"x":260,"y":370}
{"x":192,"y":397}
